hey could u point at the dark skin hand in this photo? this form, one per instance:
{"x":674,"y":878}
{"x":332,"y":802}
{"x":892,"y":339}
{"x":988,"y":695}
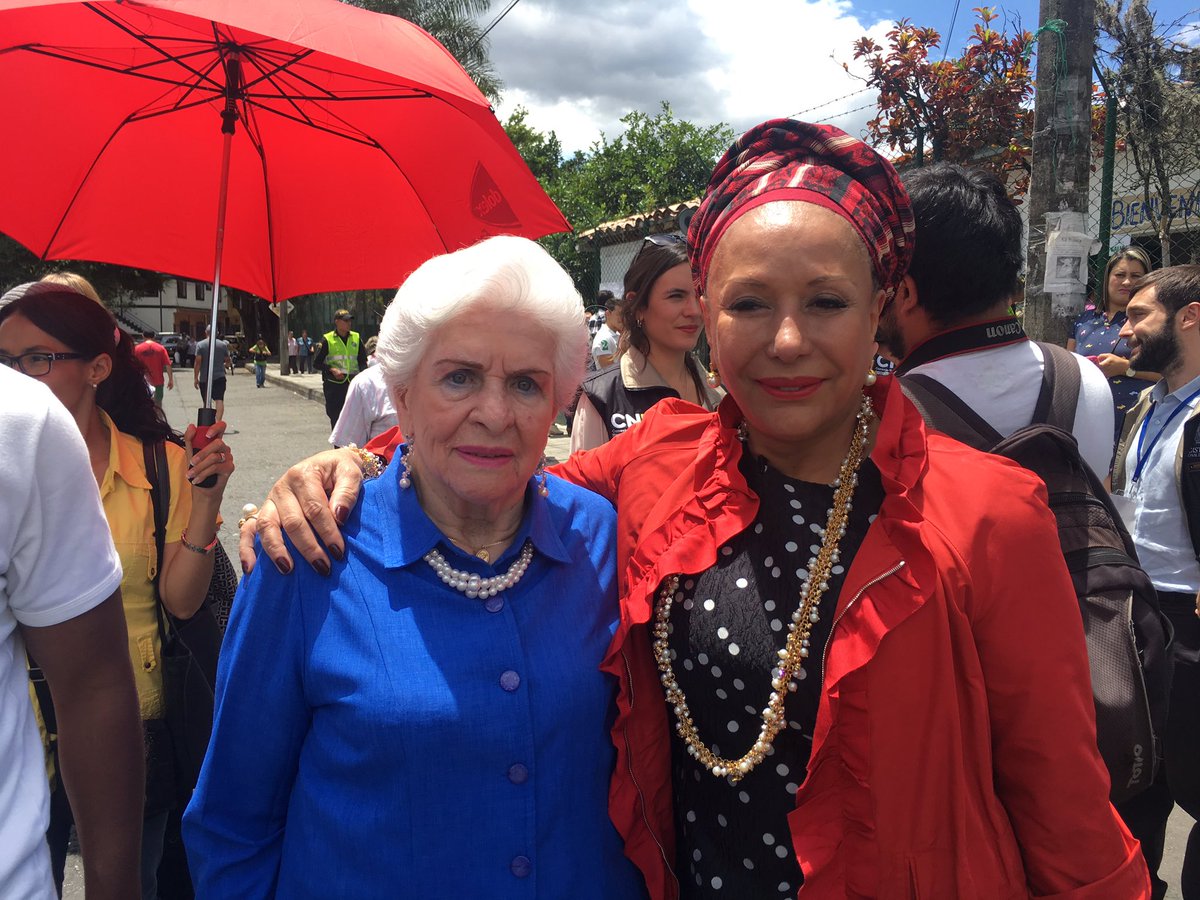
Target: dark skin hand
{"x":87,"y":666}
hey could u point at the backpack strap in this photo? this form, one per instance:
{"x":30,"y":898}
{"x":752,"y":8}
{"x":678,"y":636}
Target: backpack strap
{"x":155,"y":458}
{"x":1061,"y":383}
{"x":944,"y":410}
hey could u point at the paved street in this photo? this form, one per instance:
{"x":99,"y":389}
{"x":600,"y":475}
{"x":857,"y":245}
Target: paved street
{"x":273,"y":427}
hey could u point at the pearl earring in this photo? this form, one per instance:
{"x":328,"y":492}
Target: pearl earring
{"x":870,"y":379}
{"x":406,"y":462}
{"x":713,"y":379}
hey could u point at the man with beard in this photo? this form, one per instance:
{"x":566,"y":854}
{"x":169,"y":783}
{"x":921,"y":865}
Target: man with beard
{"x":951,"y":317}
{"x":1157,"y":466}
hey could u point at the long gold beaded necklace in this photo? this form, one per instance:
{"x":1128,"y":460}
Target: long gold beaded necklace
{"x":795,"y":650}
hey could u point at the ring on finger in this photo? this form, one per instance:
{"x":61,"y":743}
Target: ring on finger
{"x":244,"y":519}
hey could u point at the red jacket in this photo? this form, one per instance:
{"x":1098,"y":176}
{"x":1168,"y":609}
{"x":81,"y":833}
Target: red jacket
{"x":955,"y":753}
{"x":955,"y":746}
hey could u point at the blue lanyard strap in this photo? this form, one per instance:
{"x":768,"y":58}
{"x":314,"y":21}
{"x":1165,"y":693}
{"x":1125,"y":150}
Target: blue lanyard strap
{"x":1142,"y":457}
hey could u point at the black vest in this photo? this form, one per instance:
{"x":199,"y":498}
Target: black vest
{"x":619,"y":406}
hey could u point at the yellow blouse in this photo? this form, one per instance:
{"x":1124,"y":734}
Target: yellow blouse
{"x":125,"y":493}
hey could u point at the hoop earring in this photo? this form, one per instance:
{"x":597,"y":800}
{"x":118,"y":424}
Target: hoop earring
{"x":540,"y":475}
{"x":406,"y":462}
{"x":870,"y":379}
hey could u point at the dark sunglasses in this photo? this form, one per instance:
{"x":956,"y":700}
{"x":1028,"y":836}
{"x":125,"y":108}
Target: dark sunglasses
{"x":663,"y":240}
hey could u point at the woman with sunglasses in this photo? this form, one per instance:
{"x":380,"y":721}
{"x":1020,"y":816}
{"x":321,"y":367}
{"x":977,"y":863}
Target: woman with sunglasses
{"x":73,"y":345}
{"x":833,"y":678}
{"x":662,"y":323}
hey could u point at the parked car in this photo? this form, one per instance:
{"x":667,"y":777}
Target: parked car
{"x":178,"y":348}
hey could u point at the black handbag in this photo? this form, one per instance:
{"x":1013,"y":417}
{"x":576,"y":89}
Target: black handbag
{"x":191,"y":647}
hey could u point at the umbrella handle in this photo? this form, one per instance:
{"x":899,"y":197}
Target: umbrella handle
{"x":206,"y":417}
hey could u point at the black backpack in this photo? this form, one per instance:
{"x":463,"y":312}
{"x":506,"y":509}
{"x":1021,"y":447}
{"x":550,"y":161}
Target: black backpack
{"x":1127,"y":636}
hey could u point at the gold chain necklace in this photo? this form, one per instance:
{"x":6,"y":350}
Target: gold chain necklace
{"x":795,"y":650}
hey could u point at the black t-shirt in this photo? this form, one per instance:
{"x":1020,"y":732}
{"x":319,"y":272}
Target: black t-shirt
{"x":727,"y":626}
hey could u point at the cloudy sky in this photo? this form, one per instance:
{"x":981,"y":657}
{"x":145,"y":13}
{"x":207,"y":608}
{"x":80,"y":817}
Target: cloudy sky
{"x":580,"y":65}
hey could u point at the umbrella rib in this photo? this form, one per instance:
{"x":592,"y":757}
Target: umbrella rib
{"x":108,"y":67}
{"x":78,"y":189}
{"x":251,"y":128}
{"x":142,"y":39}
{"x":279,"y":93}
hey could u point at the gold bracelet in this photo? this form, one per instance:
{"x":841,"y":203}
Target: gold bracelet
{"x":372,"y":468}
{"x":203,"y":551}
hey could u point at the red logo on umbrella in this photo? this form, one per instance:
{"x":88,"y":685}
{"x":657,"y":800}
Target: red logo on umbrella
{"x":488,"y":203}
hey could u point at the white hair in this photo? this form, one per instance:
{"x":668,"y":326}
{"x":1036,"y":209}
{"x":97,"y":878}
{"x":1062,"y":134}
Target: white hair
{"x":506,"y":274}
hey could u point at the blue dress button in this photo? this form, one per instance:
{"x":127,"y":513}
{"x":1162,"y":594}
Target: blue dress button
{"x":510,"y":681}
{"x":518,"y":774}
{"x":494,"y":604}
{"x":521,"y":866}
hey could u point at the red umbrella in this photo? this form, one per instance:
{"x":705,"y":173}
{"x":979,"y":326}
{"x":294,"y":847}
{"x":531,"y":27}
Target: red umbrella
{"x":328,"y":147}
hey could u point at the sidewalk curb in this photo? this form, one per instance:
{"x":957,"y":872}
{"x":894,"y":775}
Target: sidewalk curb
{"x":297,"y":384}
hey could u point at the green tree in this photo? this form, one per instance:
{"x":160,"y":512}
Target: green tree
{"x":456,"y":24}
{"x":1153,"y":80}
{"x":656,"y":161}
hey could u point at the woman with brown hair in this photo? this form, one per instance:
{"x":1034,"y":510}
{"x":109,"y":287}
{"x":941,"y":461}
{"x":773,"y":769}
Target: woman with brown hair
{"x":662,"y":323}
{"x":1097,"y":331}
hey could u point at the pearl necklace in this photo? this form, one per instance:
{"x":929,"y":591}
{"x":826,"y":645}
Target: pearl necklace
{"x":475,"y":585}
{"x":797,"y":647}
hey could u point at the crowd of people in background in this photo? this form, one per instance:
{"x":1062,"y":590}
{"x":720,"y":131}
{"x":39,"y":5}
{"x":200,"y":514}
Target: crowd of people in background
{"x":772,"y":629}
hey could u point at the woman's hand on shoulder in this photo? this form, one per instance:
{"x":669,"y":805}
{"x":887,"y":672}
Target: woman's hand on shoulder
{"x":215,"y":458}
{"x":310,"y":502}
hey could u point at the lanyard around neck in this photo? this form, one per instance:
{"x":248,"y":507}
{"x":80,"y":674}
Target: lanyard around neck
{"x":1143,"y":456}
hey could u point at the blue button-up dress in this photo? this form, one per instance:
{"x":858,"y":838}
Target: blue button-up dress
{"x":379,"y":734}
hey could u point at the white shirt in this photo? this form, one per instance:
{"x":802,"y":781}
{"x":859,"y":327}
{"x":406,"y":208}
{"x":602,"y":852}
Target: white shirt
{"x":293,"y":347}
{"x":57,"y":561}
{"x":368,"y":410}
{"x":605,"y":343}
{"x":1160,"y":529}
{"x":1002,"y":384}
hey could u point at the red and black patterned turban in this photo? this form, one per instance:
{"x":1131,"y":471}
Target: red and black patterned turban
{"x":784,"y":159}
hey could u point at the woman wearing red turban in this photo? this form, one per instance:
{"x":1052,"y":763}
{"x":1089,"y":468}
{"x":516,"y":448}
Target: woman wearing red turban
{"x":850,"y":657}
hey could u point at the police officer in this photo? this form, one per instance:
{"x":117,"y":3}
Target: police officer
{"x":339,"y":356}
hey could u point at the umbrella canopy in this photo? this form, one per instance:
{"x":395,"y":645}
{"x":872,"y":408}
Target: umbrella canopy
{"x":360,"y":147}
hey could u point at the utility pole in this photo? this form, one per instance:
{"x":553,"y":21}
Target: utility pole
{"x":283,"y":338}
{"x":1058,"y":194}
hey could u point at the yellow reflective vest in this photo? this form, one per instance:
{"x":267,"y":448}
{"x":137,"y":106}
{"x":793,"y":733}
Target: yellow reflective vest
{"x":342,"y":354}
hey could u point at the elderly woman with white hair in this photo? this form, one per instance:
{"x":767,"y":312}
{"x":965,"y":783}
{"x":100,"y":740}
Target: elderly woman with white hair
{"x":430,"y":720}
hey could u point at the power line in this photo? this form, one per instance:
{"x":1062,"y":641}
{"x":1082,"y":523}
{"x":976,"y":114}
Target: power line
{"x":950,"y":34}
{"x":805,"y":112}
{"x":496,"y":21}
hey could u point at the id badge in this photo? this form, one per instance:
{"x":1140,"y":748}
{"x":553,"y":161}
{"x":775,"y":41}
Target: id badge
{"x":1126,"y":506}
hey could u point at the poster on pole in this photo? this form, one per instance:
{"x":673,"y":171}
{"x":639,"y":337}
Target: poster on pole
{"x":1066,"y":262}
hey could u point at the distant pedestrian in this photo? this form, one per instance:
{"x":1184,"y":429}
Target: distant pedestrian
{"x":221,"y":362}
{"x":260,"y":353}
{"x":304,"y":349}
{"x":340,"y":355}
{"x":157,"y":361}
{"x":293,"y":348}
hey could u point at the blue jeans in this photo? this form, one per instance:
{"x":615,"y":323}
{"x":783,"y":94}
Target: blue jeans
{"x":260,"y":374}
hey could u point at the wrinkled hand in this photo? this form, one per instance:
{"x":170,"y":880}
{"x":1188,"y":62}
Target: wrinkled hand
{"x":310,"y":502}
{"x":215,"y":459}
{"x":1111,"y":365}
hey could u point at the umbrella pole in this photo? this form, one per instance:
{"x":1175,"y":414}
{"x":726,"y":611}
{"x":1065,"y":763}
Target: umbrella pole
{"x":206,"y":415}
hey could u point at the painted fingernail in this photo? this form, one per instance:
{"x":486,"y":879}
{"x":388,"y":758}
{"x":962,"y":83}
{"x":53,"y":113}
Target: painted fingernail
{"x":321,"y":566}
{"x":335,"y":551}
{"x":284,"y":566}
{"x":341,"y":513}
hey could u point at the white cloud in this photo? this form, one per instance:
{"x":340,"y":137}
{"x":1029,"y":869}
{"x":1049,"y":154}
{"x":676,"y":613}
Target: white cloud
{"x":579,"y":66}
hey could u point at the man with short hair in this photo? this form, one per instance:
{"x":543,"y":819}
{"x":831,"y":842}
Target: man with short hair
{"x":608,"y":336}
{"x":60,"y":599}
{"x":157,"y":361}
{"x":221,"y":361}
{"x":304,"y":349}
{"x":340,"y":355}
{"x":951,"y":318}
{"x":1157,"y":473}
